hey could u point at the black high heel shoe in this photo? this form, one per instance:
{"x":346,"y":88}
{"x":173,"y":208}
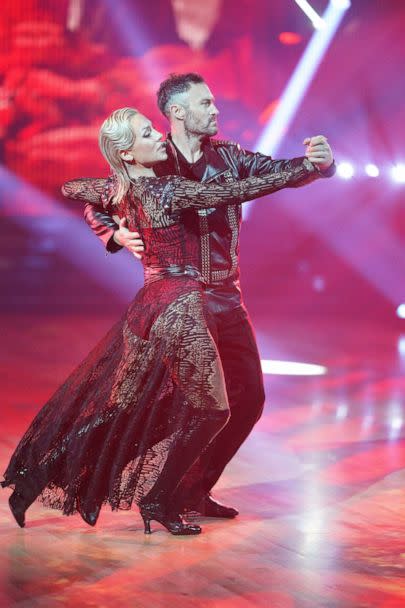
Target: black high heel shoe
{"x":174,"y":523}
{"x":18,"y":507}
{"x":88,"y":515}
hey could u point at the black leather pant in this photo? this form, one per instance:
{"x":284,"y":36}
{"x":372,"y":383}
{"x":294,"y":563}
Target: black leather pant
{"x":233,"y":333}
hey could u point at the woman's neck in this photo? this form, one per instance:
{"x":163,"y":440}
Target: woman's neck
{"x":138,"y":170}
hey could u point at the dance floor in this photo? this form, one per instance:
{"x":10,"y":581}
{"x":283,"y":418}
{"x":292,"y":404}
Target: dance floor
{"x":320,"y":482}
{"x":320,"y":485}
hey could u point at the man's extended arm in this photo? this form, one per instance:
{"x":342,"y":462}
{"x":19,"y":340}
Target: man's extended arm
{"x":254,"y":163}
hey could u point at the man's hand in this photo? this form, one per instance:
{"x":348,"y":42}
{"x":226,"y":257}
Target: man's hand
{"x":319,"y":152}
{"x":131,"y":240}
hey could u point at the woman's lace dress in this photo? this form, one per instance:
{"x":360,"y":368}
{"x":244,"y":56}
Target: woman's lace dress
{"x":131,"y":419}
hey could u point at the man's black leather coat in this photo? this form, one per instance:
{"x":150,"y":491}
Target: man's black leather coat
{"x":218,"y":229}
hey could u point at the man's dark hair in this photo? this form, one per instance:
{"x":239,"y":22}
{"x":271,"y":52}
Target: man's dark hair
{"x":174,"y":84}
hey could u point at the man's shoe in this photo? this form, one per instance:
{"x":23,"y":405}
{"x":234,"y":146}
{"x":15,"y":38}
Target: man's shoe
{"x":211,"y":508}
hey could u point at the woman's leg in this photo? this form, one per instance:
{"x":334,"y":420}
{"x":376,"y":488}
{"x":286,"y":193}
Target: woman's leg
{"x":202,"y":410}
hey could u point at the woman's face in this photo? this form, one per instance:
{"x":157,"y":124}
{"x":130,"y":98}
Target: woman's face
{"x":148,"y":148}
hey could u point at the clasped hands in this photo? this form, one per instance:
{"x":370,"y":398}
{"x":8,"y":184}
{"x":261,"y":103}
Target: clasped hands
{"x":318,"y":151}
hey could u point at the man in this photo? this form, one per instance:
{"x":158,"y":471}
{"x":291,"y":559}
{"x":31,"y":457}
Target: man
{"x":188,"y":104}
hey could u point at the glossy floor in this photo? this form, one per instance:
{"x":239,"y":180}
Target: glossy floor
{"x":320,"y":485}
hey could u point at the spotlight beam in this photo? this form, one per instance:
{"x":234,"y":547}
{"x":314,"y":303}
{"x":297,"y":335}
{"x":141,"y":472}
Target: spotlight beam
{"x":360,"y":237}
{"x":48,"y":219}
{"x":300,"y":81}
{"x":311,"y":13}
{"x":133,"y":31}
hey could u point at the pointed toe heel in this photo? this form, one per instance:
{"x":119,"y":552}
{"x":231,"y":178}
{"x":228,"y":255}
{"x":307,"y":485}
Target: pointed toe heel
{"x":17,"y":508}
{"x":88,"y":515}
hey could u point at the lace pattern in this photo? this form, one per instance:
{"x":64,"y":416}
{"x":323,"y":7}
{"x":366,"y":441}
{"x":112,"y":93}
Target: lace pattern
{"x":128,"y":409}
{"x":142,"y":407}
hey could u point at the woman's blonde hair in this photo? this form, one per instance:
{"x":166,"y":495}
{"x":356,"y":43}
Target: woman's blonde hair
{"x":116,"y":135}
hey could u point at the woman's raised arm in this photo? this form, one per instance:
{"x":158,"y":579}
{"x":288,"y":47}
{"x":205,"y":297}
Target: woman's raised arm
{"x":180,"y":193}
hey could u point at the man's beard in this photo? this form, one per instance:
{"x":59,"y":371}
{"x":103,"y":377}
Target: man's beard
{"x":196,"y":128}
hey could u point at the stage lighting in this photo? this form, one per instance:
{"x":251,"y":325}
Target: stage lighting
{"x":345,"y":170}
{"x":367,"y":422}
{"x":342,"y":4}
{"x":311,"y":13}
{"x":299,"y":82}
{"x":297,"y":86}
{"x":291,"y":368}
{"x":56,"y":228}
{"x":401,"y":346}
{"x":372,"y":170}
{"x":318,"y":283}
{"x":396,"y":423}
{"x":342,"y":411}
{"x":398,"y":173}
{"x":401,"y":311}
{"x":289,"y":38}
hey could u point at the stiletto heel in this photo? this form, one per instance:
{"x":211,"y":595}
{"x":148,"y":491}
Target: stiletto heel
{"x":146,"y":523}
{"x":173,"y":522}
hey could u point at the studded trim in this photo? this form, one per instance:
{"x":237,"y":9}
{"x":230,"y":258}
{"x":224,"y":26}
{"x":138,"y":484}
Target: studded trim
{"x":233,"y":218}
{"x":205,"y":247}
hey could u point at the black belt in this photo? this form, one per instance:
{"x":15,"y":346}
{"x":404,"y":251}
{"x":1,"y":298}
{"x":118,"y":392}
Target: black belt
{"x":154,"y":274}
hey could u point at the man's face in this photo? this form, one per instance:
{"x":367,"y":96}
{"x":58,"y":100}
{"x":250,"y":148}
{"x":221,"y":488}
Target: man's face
{"x":201,"y":113}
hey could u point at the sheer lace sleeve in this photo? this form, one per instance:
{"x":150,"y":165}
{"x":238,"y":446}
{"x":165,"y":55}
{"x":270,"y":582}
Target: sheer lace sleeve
{"x":97,"y":194}
{"x":180,"y":193}
{"x":96,"y":191}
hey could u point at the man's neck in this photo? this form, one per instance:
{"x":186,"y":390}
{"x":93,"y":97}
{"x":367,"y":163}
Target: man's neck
{"x":188,"y":144}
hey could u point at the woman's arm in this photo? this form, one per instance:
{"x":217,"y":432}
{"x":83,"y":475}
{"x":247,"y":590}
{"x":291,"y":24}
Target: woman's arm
{"x":180,"y":193}
{"x":95,"y":192}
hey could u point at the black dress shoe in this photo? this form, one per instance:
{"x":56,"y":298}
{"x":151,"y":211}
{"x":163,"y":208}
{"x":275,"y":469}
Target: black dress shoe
{"x":18,"y":507}
{"x":209,"y":507}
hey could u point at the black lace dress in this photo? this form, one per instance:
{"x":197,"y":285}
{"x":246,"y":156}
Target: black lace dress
{"x":132,"y":418}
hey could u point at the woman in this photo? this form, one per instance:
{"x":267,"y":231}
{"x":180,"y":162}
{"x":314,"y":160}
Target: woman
{"x":129,"y":422}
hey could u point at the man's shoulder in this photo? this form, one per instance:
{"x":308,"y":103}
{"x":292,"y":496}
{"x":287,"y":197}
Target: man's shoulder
{"x":225,"y":143}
